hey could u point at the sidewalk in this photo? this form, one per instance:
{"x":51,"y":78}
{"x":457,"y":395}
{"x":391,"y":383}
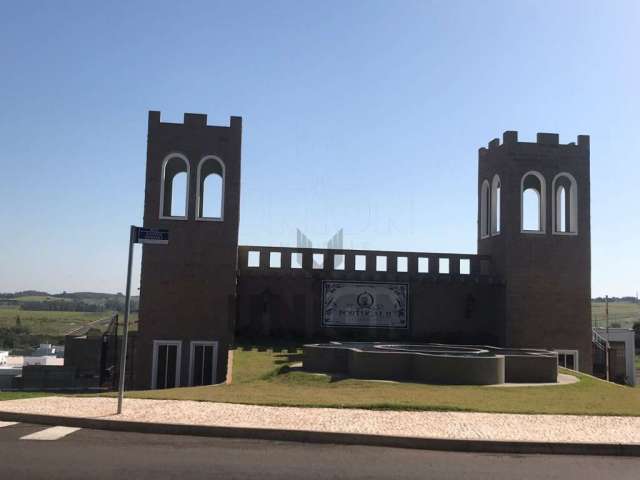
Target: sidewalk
{"x":432,"y":425}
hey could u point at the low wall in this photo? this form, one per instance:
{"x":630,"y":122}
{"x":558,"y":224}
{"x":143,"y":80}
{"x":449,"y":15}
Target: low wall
{"x":432,"y":363}
{"x":531,"y":368}
{"x":48,"y":377}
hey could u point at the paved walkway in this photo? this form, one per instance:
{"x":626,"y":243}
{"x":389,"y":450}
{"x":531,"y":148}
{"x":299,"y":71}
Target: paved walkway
{"x":455,"y":425}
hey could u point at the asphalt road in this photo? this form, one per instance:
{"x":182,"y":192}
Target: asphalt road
{"x":94,"y":454}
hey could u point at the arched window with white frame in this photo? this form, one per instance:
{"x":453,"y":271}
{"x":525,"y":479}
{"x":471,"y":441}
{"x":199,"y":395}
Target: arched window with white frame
{"x":174,"y":187}
{"x":210,"y":196}
{"x":564,"y":204}
{"x":485,"y":203}
{"x":533,"y":203}
{"x":496,"y":191}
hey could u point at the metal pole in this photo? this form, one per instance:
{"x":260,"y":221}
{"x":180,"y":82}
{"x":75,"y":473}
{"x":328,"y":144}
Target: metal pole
{"x":115,"y":354}
{"x":125,"y":333}
{"x":606,"y":316}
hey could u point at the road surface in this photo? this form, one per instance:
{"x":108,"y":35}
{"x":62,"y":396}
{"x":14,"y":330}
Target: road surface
{"x":34,"y":451}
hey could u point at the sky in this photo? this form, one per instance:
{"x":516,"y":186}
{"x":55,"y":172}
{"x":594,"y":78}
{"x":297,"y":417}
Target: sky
{"x":360,"y":115}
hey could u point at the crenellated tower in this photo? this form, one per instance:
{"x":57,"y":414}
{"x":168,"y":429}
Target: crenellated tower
{"x":188,"y":287}
{"x":534,"y":221}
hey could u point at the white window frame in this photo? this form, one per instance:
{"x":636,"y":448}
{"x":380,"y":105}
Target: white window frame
{"x":576,"y":357}
{"x":485,"y":210}
{"x":162,"y":178}
{"x":192,"y":350}
{"x":542,"y":204}
{"x":495,"y":205}
{"x":572,"y":197}
{"x":199,"y":216}
{"x":154,"y":367}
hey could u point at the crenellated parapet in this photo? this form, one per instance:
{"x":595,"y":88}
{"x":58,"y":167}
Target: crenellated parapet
{"x":191,"y":120}
{"x":510,"y":142}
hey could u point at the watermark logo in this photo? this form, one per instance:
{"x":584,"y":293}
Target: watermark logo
{"x":334,"y":243}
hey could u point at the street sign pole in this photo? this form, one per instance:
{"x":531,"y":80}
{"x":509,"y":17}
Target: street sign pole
{"x":123,"y":352}
{"x":606,"y":316}
{"x":149,"y":236}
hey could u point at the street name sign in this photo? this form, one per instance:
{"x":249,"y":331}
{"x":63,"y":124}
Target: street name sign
{"x":152,"y":236}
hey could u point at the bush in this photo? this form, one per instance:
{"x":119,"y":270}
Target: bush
{"x":20,"y":341}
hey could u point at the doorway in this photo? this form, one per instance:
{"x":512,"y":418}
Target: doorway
{"x":166,"y":364}
{"x":202,"y":368}
{"x":568,"y":359}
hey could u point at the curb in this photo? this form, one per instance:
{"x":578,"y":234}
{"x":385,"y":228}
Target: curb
{"x":309,"y":436}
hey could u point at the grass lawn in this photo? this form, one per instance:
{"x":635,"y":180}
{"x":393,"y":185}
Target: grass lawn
{"x":264,"y":376}
{"x":20,"y":395}
{"x":48,"y":322}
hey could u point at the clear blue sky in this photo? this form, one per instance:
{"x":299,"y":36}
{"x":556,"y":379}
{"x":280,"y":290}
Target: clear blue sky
{"x":361,"y":115}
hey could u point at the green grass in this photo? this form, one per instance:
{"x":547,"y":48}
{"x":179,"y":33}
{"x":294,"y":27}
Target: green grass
{"x":48,"y":322}
{"x":265,"y":377}
{"x":622,"y":313}
{"x":21,"y":395}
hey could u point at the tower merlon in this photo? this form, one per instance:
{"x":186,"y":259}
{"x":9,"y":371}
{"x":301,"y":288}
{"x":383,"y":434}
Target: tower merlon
{"x":154,"y":117}
{"x":583,"y":141}
{"x":235,"y":122}
{"x":495,"y":143}
{"x":195,"y":119}
{"x":547,"y":139}
{"x":510,"y":136}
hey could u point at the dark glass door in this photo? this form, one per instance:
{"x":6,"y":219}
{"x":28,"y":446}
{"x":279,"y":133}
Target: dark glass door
{"x":203,"y":358}
{"x":166,"y":366}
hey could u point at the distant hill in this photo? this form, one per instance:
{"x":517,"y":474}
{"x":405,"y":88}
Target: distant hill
{"x":67,"y":301}
{"x":25,"y":293}
{"x":88,"y":295}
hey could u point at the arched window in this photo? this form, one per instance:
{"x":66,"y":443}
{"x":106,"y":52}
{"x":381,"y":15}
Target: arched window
{"x":496,"y":189}
{"x":533,"y":203}
{"x":565,"y":204}
{"x":210,"y":197}
{"x":485,"y":202}
{"x":174,"y":187}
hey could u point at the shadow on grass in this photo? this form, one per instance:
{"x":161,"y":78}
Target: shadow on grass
{"x":264,"y":345}
{"x":283,"y":358}
{"x":288,"y":368}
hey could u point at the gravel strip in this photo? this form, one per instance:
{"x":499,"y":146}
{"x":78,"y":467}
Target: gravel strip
{"x":454,"y":425}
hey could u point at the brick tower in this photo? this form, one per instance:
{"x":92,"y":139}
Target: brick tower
{"x":188,"y":288}
{"x":534,"y":221}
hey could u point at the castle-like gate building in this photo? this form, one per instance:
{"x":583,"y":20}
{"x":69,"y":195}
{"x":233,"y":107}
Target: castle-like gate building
{"x":529,"y":285}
